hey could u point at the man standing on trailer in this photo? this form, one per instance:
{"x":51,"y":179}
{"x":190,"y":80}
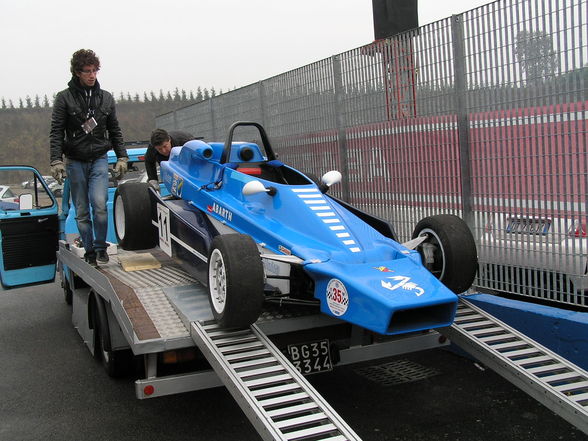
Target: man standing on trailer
{"x":83,"y":128}
{"x":159,"y":150}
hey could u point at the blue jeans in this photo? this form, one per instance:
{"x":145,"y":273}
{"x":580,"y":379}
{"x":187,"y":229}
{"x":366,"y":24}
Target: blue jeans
{"x":89,"y":188}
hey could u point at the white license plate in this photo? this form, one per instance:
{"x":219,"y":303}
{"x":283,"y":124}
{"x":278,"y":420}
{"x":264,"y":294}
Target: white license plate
{"x":311,"y":357}
{"x":525,"y":225}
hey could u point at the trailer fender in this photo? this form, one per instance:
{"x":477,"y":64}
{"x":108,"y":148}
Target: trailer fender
{"x":102,"y":321}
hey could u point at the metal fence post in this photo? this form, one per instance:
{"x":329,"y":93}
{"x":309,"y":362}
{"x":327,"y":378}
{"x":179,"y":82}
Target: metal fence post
{"x":463,"y":126}
{"x":212,"y":124}
{"x":261,"y":91}
{"x":341,"y":135}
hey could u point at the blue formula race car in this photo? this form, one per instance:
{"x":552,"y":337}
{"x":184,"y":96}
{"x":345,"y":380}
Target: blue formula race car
{"x":255,"y":230}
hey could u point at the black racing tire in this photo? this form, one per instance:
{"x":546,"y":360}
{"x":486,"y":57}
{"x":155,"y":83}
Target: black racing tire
{"x":235,"y":280}
{"x":132,"y":216}
{"x":449,"y":252}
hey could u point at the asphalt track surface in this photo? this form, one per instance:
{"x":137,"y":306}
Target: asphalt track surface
{"x":52,"y":389}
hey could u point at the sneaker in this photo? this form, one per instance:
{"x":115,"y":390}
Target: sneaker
{"x":91,"y":259}
{"x":102,"y":256}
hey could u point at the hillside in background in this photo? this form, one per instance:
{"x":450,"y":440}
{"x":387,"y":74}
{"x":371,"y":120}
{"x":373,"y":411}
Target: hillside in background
{"x":24,"y":130}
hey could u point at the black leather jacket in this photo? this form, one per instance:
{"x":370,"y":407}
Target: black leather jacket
{"x":70,"y":111}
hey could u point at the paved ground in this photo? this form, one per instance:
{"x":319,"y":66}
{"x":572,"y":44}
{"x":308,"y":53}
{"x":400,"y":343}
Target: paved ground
{"x":51,"y":389}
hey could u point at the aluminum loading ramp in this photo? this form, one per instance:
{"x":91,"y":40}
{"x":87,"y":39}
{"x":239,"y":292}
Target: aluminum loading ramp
{"x":277,"y":399}
{"x":547,"y":377}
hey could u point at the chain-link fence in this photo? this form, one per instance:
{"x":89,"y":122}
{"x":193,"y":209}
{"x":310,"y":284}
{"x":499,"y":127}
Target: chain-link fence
{"x":483,"y":114}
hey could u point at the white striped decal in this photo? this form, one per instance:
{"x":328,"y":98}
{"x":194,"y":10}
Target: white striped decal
{"x":309,"y":196}
{"x":314,"y":201}
{"x":320,"y":207}
{"x":312,"y":197}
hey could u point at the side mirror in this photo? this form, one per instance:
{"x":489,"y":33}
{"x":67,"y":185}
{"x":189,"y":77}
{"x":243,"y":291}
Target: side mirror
{"x":329,"y":179}
{"x":255,"y":187}
{"x":25,"y":201}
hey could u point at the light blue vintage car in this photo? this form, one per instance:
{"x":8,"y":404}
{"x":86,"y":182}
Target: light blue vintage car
{"x":29,"y":228}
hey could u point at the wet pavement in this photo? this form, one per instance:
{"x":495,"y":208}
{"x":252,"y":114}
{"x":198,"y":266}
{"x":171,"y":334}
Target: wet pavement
{"x":52,"y":389}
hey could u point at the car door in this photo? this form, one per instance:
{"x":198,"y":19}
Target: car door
{"x":29,"y":229}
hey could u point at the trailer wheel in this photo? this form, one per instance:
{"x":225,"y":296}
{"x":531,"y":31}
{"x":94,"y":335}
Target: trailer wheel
{"x":449,"y":252}
{"x":67,"y":292}
{"x":116,"y":363}
{"x":132,"y":217}
{"x":235,"y":280}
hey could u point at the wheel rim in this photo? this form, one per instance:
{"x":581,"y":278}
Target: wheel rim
{"x":217,"y":281}
{"x":119,"y":217}
{"x":436,"y":253}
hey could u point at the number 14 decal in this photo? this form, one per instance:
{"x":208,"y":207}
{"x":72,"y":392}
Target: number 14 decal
{"x":163,"y":227}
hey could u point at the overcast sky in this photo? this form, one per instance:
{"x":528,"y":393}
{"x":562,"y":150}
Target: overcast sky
{"x":149,"y":45}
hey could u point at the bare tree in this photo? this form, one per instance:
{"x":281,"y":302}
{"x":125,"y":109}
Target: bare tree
{"x":535,"y":53}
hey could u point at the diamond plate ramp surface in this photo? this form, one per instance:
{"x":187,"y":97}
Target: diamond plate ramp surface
{"x":148,"y":286}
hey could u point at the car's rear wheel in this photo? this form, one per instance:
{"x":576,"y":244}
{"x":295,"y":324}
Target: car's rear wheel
{"x":449,"y":252}
{"x":235,"y":280}
{"x":132,"y":216}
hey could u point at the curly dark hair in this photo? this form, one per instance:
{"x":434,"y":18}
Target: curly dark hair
{"x":158,"y":137}
{"x":83,"y":57}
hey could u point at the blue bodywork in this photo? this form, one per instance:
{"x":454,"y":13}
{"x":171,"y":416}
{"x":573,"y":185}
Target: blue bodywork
{"x":359,"y":275}
{"x":28,"y":237}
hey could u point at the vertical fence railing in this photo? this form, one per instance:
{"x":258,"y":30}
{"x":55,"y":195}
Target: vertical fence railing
{"x":483,"y":115}
{"x":463,"y":125}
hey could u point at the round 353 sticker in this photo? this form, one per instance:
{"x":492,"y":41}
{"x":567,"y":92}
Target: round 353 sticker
{"x":337,"y":297}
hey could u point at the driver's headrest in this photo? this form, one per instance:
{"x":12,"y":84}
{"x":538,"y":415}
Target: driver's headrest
{"x":246,"y":152}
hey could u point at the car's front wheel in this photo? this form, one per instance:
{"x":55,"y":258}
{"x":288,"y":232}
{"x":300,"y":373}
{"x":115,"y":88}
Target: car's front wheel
{"x":235,"y":280}
{"x":449,"y":251}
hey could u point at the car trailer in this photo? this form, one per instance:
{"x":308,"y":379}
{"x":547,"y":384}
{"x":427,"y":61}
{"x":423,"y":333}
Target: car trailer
{"x":159,"y":313}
